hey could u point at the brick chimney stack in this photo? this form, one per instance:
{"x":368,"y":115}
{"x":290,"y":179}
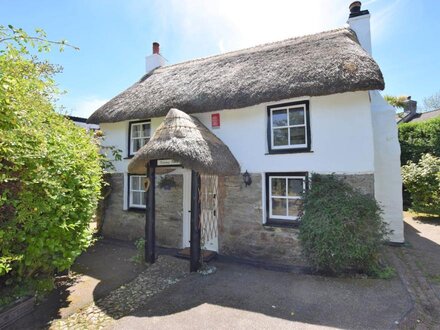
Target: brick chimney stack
{"x":359,"y":22}
{"x":154,"y":60}
{"x":156,"y":48}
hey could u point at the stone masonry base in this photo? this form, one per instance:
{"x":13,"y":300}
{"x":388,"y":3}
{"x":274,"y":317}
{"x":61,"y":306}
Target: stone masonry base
{"x":240,"y":221}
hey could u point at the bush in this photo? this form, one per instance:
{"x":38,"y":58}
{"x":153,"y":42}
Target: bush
{"x":419,"y":138}
{"x":50,"y":174}
{"x":341,"y":229}
{"x":422,"y":180}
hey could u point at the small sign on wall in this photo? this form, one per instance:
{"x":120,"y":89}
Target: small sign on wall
{"x":215,"y":120}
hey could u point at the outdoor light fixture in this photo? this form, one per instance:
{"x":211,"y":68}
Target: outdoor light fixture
{"x":247,"y":178}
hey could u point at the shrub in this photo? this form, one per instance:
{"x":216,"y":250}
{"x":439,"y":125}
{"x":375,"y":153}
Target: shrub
{"x":422,"y":180}
{"x":50,"y":174}
{"x":341,"y":229}
{"x":419,"y":138}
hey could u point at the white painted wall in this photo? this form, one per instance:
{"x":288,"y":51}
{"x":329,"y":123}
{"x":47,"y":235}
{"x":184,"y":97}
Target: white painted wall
{"x":154,"y":61}
{"x":342,"y":127}
{"x":341,"y":134}
{"x":361,"y":25}
{"x":387,"y":178}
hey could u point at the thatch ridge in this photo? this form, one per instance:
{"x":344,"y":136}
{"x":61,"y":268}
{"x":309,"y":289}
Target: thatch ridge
{"x":185,"y":139}
{"x":319,"y":64}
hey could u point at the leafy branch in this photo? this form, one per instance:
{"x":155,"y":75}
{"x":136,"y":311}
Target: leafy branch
{"x":39,"y":40}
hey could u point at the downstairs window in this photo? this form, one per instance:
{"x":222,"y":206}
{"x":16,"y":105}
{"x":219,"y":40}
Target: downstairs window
{"x":136,"y":191}
{"x":284,"y":197}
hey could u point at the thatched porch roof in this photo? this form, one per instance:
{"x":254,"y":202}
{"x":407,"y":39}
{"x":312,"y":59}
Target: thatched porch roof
{"x":185,"y":139}
{"x":320,"y":64}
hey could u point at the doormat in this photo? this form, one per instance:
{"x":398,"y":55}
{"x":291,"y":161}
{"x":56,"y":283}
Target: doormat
{"x":207,"y":254}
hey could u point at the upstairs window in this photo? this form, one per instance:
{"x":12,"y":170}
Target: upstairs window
{"x":139,"y":135}
{"x":289,"y":127}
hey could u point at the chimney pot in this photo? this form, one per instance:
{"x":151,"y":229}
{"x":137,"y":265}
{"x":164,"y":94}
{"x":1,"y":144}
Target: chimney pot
{"x":355,"y":7}
{"x":156,"y":48}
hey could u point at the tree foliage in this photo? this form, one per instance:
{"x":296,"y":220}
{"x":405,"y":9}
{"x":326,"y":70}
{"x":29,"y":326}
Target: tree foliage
{"x":419,"y":138}
{"x":341,"y":229}
{"x":432,"y":102}
{"x":422,"y":180}
{"x":50,"y":174}
{"x":396,"y":101}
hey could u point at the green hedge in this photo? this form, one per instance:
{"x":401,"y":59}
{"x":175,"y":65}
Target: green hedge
{"x":419,"y":138}
{"x":50,"y":174}
{"x":422,"y":180}
{"x":341,"y":229}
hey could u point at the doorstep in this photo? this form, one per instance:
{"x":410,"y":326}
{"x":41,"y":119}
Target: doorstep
{"x":207,"y":255}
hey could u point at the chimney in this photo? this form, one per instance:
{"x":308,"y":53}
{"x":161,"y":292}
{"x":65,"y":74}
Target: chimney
{"x":410,"y":106}
{"x":359,"y":22}
{"x":154,"y":60}
{"x":156,"y":48}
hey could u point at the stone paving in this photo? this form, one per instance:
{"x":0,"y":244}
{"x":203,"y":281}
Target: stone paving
{"x":120,"y":302}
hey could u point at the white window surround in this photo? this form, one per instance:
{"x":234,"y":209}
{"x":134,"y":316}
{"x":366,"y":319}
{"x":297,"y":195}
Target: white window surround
{"x":136,"y":191}
{"x":286,"y":196}
{"x":140,"y":133}
{"x":289,"y":126}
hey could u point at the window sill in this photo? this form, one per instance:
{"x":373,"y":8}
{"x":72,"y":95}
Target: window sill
{"x":136,"y":209}
{"x":282,"y":223}
{"x":288,"y":151}
{"x":129,"y":157}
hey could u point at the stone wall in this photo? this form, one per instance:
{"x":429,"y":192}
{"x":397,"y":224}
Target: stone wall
{"x":241,"y":230}
{"x":130,"y":224}
{"x":242,"y":233}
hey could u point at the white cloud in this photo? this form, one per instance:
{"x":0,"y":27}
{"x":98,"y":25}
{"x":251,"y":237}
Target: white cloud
{"x":235,"y":24}
{"x":87,"y":106}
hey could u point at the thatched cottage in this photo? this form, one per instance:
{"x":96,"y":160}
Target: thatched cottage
{"x":229,"y":142}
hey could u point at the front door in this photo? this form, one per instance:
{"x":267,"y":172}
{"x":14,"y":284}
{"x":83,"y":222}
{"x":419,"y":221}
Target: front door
{"x":208,"y":213}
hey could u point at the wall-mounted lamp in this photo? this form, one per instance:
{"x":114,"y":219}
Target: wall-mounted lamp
{"x":247,"y":178}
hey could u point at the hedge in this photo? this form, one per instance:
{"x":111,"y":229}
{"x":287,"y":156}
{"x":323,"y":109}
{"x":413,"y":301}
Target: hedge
{"x":419,"y":138}
{"x":50,"y":173}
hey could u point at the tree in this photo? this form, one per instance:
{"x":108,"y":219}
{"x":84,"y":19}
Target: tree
{"x":396,"y":101}
{"x":50,"y":173}
{"x":432,"y":102}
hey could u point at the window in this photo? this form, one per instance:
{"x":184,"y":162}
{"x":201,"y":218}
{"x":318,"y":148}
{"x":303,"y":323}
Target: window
{"x":136,"y":191}
{"x":139,"y":135}
{"x":289,"y":127}
{"x":284,"y":196}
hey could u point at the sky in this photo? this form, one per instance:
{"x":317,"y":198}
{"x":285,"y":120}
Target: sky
{"x":115,"y":36}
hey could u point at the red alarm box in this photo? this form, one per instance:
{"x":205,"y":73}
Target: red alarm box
{"x":215,"y":120}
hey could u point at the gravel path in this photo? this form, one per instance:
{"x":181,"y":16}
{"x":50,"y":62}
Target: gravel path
{"x":120,"y":302}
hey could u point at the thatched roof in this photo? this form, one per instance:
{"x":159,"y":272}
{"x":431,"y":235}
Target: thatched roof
{"x":185,"y":139}
{"x":320,"y":64}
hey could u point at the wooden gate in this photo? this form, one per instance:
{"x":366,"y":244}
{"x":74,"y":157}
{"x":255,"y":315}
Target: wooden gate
{"x":209,"y":212}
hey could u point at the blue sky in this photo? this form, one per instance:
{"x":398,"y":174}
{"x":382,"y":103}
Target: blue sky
{"x":115,"y":36}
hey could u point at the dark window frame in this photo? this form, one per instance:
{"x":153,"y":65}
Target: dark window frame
{"x":289,"y":149}
{"x":129,"y":207}
{"x":130,"y":123}
{"x":274,"y":222}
